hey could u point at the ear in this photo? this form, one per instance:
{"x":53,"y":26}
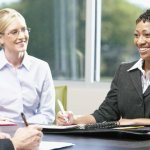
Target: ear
{"x":1,"y":40}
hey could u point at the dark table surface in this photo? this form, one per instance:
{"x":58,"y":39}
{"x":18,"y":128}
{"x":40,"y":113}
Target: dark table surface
{"x":98,"y":143}
{"x":105,"y":141}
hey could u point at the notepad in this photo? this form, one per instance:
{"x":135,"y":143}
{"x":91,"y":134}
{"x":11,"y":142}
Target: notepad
{"x":61,"y":127}
{"x":45,"y":145}
{"x":7,"y":123}
{"x":104,"y":125}
{"x":129,"y":127}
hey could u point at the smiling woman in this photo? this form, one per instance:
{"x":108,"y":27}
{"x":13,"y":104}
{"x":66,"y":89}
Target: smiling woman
{"x":130,"y":87}
{"x":34,"y":92}
{"x":12,"y":39}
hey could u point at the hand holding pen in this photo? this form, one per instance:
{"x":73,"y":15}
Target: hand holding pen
{"x":24,"y":119}
{"x":28,"y":137}
{"x":62,"y":110}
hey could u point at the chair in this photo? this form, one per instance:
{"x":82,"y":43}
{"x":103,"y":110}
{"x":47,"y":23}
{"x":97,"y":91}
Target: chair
{"x":61,"y":94}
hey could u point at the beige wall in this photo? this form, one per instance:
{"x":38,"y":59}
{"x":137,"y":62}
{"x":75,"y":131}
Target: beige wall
{"x":84,"y":99}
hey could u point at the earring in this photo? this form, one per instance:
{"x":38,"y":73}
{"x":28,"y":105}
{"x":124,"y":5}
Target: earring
{"x":1,"y":45}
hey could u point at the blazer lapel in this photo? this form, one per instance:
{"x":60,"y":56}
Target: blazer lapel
{"x":136,"y":79}
{"x":147,"y":92}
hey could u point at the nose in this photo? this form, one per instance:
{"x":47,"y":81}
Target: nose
{"x":20,"y":34}
{"x":141,"y":40}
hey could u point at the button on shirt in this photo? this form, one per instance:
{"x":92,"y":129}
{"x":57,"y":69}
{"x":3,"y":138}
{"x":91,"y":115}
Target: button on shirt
{"x":145,"y":78}
{"x":28,"y":88}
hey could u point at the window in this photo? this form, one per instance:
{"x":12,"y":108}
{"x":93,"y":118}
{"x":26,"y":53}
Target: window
{"x":57,"y":35}
{"x":117,"y":30}
{"x":82,"y":40}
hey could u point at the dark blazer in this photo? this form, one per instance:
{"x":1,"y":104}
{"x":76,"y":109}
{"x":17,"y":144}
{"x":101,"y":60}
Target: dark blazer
{"x":6,"y":144}
{"x":125,"y":98}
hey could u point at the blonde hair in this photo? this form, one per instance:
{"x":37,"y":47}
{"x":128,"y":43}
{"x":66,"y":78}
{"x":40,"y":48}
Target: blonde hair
{"x":7,"y":16}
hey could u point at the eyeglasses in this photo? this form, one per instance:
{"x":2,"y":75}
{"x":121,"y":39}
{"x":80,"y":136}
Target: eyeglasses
{"x":16,"y":32}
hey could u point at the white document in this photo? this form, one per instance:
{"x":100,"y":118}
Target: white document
{"x":45,"y":145}
{"x":78,"y":126}
{"x":7,"y":123}
{"x":59,"y":127}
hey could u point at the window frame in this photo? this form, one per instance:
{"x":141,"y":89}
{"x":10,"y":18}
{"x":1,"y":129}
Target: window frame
{"x":92,"y":48}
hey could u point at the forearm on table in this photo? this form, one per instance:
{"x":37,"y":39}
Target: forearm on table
{"x":137,"y":121}
{"x":85,"y":119}
{"x":142,"y":121}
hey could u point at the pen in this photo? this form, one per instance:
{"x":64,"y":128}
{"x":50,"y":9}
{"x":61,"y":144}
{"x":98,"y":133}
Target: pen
{"x":24,"y":119}
{"x":62,"y":109}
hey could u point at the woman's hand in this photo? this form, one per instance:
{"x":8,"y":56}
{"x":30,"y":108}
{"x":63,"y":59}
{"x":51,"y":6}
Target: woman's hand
{"x":65,"y":119}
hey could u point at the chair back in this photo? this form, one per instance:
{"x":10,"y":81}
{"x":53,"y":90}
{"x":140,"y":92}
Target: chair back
{"x":61,"y":94}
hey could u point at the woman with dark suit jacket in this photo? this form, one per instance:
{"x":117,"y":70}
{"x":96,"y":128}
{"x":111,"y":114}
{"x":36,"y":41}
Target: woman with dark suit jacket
{"x":27,"y":138}
{"x":128,"y":101}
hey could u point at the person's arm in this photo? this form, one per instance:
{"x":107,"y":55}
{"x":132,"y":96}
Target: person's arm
{"x":138,"y":121}
{"x":73,"y":119}
{"x":84,"y":119}
{"x":4,"y":135}
{"x":27,"y":138}
{"x":6,"y":144}
{"x":108,"y":110}
{"x":46,"y":111}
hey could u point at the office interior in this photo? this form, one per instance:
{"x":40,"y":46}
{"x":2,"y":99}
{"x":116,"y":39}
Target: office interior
{"x":84,"y":41}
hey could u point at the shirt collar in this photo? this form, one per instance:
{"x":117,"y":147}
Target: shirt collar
{"x":137,"y":65}
{"x":26,"y":61}
{"x":3,"y":61}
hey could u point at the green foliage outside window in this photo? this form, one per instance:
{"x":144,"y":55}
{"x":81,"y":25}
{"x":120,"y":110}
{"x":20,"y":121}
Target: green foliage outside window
{"x":57,"y":34}
{"x":118,"y":24}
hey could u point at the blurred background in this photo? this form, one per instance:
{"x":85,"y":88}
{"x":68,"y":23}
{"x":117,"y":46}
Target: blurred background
{"x":84,"y":41}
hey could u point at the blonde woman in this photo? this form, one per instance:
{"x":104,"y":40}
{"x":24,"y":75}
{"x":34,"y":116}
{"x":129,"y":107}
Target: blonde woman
{"x":26,"y":83}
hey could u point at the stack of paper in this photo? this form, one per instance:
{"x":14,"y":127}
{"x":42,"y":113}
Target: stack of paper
{"x":59,"y":127}
{"x":7,"y":123}
{"x":45,"y":145}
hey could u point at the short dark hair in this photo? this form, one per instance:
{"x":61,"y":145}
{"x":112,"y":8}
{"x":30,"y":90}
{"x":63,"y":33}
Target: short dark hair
{"x":144,"y":17}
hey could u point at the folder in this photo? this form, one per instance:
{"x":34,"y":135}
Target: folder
{"x":127,"y":132}
{"x":7,"y":123}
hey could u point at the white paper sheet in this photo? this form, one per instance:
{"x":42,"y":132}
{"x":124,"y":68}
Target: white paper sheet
{"x":59,"y":127}
{"x":7,"y":123}
{"x":45,"y":145}
{"x":77,"y":126}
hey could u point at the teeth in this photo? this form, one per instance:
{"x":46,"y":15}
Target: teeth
{"x":21,"y":54}
{"x":144,"y":49}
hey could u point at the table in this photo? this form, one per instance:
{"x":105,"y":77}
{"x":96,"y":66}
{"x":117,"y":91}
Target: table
{"x":91,"y":142}
{"x":98,"y":143}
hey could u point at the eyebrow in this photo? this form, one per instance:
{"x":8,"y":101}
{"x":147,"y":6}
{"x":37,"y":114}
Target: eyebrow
{"x":18,"y":28}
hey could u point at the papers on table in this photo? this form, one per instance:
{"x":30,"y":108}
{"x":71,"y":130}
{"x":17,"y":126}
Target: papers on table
{"x":7,"y":123}
{"x":45,"y":145}
{"x":60,"y":127}
{"x":129,"y":127}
